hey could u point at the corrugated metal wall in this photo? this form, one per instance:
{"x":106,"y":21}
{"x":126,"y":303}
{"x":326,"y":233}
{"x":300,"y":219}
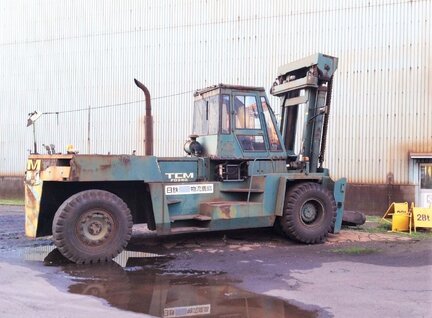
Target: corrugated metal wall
{"x":69,"y":56}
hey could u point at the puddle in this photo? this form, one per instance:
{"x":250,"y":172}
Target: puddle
{"x":145,"y":283}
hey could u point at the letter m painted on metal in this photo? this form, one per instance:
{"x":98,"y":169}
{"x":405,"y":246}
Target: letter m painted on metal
{"x":33,"y":165}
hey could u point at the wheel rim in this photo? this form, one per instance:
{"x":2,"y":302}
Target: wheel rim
{"x":311,"y":211}
{"x":95,"y":227}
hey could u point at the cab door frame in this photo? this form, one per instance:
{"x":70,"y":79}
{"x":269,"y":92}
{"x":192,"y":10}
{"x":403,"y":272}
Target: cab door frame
{"x":250,"y":133}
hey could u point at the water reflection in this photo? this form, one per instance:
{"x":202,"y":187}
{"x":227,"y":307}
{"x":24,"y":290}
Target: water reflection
{"x":42,"y":253}
{"x":146,"y":284}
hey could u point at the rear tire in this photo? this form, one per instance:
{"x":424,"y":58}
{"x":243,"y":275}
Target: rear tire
{"x":92,"y":226}
{"x":309,"y":213}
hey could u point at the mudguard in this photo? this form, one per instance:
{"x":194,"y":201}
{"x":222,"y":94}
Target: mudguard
{"x":339,"y":195}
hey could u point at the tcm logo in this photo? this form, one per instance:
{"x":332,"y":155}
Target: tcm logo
{"x":33,"y":165}
{"x":179,"y":176}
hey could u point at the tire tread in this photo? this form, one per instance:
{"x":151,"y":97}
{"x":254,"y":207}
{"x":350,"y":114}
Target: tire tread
{"x":71,"y":206}
{"x":290,"y":224}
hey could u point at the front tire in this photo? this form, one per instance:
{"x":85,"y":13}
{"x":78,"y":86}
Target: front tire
{"x":309,"y":213}
{"x":92,"y":226}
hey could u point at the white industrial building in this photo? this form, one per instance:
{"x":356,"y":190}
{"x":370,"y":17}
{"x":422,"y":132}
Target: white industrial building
{"x":75,"y":61}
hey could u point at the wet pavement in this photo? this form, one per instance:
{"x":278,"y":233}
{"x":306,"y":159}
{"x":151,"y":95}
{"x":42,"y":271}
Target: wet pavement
{"x":143,"y":283}
{"x":232,"y":274}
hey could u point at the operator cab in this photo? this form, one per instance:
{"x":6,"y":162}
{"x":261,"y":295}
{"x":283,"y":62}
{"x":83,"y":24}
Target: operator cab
{"x":234,"y":122}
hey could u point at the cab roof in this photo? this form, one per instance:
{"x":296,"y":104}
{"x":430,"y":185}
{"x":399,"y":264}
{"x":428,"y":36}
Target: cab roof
{"x":228,"y":86}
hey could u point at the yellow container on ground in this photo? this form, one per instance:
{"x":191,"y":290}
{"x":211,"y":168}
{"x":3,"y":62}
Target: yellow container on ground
{"x":398,"y":214}
{"x":401,"y":222}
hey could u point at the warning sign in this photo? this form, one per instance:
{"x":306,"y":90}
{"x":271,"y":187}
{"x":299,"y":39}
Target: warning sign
{"x":422,"y":217}
{"x":404,"y":219}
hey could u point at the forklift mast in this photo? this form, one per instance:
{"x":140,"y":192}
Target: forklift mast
{"x":305,"y":82}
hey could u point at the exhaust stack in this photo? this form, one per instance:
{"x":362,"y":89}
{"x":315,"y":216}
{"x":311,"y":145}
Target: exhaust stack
{"x":148,"y":120}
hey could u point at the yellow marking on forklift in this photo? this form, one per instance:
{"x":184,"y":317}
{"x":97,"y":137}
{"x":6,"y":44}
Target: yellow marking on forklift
{"x":55,"y":173}
{"x":34,"y":165}
{"x":32,"y":206}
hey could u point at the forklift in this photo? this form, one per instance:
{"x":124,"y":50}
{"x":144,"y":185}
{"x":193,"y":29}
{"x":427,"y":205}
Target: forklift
{"x":242,"y":170}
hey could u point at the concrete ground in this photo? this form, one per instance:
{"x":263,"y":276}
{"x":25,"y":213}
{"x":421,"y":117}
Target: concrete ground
{"x":252,"y":273}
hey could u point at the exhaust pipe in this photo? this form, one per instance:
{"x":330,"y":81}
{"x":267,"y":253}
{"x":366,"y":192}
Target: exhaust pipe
{"x":148,"y":120}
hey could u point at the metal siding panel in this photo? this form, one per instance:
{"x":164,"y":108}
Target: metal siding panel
{"x":70,"y":55}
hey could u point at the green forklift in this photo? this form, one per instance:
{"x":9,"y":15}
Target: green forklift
{"x":242,"y":170}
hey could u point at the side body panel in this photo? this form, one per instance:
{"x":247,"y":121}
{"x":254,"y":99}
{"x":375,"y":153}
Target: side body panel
{"x":114,"y":168}
{"x":175,"y":194}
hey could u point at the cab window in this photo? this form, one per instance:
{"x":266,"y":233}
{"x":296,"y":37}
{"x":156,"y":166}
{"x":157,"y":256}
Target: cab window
{"x":246,"y":113}
{"x":252,"y":142}
{"x":206,"y":116}
{"x":225,"y":118}
{"x":275,"y":144}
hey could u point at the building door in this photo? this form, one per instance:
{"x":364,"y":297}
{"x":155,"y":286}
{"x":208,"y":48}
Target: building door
{"x":425,"y":191}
